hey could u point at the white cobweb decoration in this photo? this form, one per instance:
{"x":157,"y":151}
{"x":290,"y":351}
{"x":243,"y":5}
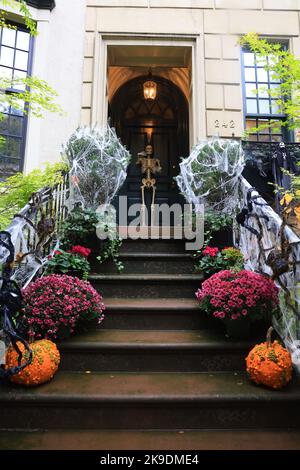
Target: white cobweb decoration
{"x":21,"y":232}
{"x":268,"y":224}
{"x":98,"y":165}
{"x":210,"y":175}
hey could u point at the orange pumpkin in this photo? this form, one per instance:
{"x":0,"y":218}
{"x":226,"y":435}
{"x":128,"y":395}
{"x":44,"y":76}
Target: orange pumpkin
{"x":269,"y":364}
{"x":45,"y":362}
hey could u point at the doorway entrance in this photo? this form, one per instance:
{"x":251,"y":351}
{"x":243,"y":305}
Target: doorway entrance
{"x":161,"y":123}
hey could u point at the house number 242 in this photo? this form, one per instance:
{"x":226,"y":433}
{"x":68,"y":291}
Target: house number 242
{"x":225,"y":125}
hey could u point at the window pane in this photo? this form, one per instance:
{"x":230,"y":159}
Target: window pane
{"x":273,"y":79}
{"x":263,"y":122}
{"x":19,"y":75}
{"x":251,"y":123}
{"x":4,"y":107}
{"x":13,"y":147}
{"x":275,"y":108}
{"x":23,"y":40}
{"x":9,"y":37}
{"x":250,"y":75}
{"x":264,"y":106}
{"x":263,"y":92}
{"x":5,"y":72}
{"x":4,"y":124}
{"x":7,"y":56}
{"x":262,"y":75}
{"x":21,"y":61}
{"x":277,"y":127}
{"x":251,"y":90}
{"x":275,"y":90}
{"x":18,"y":109}
{"x":249,"y":58}
{"x":15,"y":125}
{"x":252,"y":106}
{"x":8,"y":166}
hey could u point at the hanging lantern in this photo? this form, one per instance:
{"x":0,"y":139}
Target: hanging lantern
{"x":150,"y":88}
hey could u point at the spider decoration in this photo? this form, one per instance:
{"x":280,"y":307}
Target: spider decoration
{"x":10,"y":303}
{"x":243,"y":217}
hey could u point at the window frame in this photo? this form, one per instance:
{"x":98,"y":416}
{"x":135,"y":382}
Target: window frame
{"x":287,"y":135}
{"x":23,"y":136}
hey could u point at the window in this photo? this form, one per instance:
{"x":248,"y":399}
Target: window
{"x":15,"y":62}
{"x":260,"y":108}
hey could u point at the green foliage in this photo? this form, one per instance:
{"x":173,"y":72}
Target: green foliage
{"x":79,"y":227}
{"x":63,"y":263}
{"x":112,"y":243}
{"x":38,"y":96}
{"x":20,"y":7}
{"x":16,"y":191}
{"x":215,"y":222}
{"x":112,"y":250}
{"x":234,"y":258}
{"x":284,"y":67}
{"x":211,"y":260}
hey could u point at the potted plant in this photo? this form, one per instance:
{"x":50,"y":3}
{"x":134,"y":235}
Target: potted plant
{"x":210,"y":260}
{"x":218,"y":228}
{"x":73,"y":262}
{"x":55,"y":307}
{"x":80,"y":228}
{"x":239,"y":300}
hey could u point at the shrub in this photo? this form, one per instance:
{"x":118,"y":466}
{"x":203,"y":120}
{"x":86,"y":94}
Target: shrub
{"x":79,"y":227}
{"x":73,"y":261}
{"x":210,"y":260}
{"x":232,"y":296}
{"x":55,"y":306}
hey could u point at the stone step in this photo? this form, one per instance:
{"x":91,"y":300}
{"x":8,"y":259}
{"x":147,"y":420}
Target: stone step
{"x":154,"y":314}
{"x":143,"y":263}
{"x":153,"y":246}
{"x":146,"y":285}
{"x":153,"y":351}
{"x":223,"y":400}
{"x":232,"y":439}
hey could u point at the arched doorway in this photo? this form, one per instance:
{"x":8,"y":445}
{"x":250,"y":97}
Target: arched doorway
{"x":162,"y":123}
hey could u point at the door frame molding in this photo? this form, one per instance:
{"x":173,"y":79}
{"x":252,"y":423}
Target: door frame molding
{"x":99,"y":111}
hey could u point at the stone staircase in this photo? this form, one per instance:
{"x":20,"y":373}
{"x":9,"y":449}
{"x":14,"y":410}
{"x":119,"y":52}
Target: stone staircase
{"x":157,"y":374}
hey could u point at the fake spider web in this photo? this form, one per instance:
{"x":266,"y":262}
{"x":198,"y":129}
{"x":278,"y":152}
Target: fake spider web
{"x":21,"y":233}
{"x":256,"y":249}
{"x":98,"y":166}
{"x":210,"y":175}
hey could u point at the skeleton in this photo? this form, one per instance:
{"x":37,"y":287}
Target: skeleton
{"x":148,"y":165}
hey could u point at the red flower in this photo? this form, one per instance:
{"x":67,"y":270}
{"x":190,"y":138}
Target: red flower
{"x":80,"y":250}
{"x":54,"y":305}
{"x":239,"y":294}
{"x":57,"y":252}
{"x":210,"y":251}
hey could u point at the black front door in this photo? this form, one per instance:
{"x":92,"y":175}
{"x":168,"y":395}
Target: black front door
{"x":162,"y":123}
